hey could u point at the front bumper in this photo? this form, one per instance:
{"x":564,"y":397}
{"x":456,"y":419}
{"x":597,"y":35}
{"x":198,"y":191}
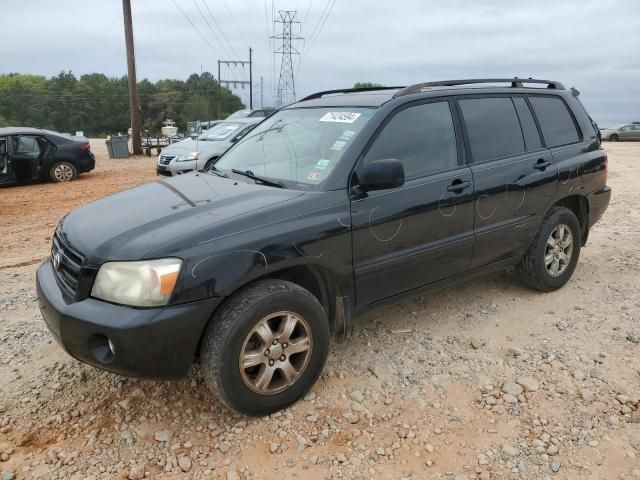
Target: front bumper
{"x":158,"y":343}
{"x":177,"y":168}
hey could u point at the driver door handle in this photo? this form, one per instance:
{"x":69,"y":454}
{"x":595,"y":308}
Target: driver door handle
{"x":458,"y":186}
{"x":542,"y":164}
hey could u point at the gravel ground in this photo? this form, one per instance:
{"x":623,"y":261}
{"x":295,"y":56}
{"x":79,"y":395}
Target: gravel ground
{"x":485,"y":380}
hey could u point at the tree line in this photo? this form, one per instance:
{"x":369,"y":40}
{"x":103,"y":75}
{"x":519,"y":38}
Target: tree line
{"x":99,"y":105}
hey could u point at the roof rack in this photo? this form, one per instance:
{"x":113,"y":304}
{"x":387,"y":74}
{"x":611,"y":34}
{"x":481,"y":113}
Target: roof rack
{"x":515,"y":83}
{"x":345,"y":90}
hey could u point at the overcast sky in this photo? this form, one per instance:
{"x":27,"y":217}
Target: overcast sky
{"x":593,"y":45}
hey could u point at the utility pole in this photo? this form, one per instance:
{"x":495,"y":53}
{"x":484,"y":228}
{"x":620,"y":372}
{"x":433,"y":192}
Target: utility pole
{"x":219,"y":93}
{"x":286,"y":92}
{"x":235,"y":83}
{"x":134,"y":105}
{"x":250,"y":81}
{"x":261,"y":92}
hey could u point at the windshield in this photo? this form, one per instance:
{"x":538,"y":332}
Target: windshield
{"x":298,"y":145}
{"x":239,"y":114}
{"x":221,"y":131}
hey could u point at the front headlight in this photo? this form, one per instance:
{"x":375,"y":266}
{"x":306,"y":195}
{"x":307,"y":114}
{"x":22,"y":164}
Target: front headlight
{"x":188,"y":157}
{"x":139,"y":284}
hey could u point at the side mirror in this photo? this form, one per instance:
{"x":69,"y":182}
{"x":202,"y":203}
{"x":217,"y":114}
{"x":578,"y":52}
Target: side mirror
{"x":381,"y":175}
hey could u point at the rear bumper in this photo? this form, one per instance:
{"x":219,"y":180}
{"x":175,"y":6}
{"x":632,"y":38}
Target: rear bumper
{"x":156,"y":343}
{"x":598,"y":203}
{"x":88,"y":163}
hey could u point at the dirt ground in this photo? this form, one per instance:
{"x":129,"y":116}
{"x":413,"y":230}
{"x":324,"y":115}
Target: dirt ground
{"x":484,"y":380}
{"x":33,"y":211}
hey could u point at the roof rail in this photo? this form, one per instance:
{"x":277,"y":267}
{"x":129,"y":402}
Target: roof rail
{"x":345,"y":90}
{"x":515,"y":83}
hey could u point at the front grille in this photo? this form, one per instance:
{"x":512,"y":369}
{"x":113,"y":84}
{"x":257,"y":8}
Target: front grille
{"x":166,"y":159}
{"x":67,"y":265}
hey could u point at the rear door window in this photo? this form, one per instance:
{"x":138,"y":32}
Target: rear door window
{"x":26,"y":145}
{"x":493,"y":128}
{"x":528,"y":124}
{"x":556,"y":123}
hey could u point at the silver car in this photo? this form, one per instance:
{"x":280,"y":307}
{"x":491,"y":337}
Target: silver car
{"x":630,"y":131}
{"x":199,"y":153}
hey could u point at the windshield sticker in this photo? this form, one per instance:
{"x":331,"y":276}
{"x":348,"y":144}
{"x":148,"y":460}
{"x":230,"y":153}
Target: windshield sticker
{"x":340,"y":117}
{"x":322,"y":164}
{"x":314,"y":176}
{"x":347,"y":134}
{"x":338,"y":145}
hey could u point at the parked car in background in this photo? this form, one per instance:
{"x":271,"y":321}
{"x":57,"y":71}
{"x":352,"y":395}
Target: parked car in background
{"x":629,"y":131}
{"x":28,"y":154}
{"x":199,"y":153}
{"x":258,"y":112}
{"x":336,"y":204}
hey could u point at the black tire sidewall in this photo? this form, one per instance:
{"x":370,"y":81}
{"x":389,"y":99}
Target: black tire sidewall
{"x":237,"y":394}
{"x":562,"y":216}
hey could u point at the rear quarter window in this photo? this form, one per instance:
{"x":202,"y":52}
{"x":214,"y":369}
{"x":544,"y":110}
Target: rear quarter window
{"x":556,"y":122}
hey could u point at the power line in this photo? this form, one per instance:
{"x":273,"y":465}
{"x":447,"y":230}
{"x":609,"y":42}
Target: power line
{"x":313,"y":40}
{"x":210,"y":28}
{"x":233,"y":20}
{"x":206,"y":4}
{"x":315,"y":29}
{"x":194,"y":27}
{"x":269,"y":49}
{"x":306,"y":14}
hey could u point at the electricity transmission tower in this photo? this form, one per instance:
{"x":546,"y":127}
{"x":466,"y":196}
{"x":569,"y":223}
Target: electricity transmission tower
{"x":286,"y":92}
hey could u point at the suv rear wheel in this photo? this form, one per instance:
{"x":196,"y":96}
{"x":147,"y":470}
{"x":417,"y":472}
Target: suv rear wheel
{"x":63,"y":172}
{"x":265,"y":347}
{"x":554,"y":253}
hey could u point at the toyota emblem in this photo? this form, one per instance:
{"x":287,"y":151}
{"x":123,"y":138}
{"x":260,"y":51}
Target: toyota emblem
{"x":56,"y":259}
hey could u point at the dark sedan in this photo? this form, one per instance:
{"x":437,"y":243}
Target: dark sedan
{"x":28,"y":154}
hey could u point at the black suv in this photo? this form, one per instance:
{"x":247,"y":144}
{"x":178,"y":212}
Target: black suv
{"x":332,"y":205}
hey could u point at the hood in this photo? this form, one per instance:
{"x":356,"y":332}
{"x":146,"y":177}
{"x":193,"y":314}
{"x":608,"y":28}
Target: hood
{"x":189,"y":145}
{"x":129,"y":225}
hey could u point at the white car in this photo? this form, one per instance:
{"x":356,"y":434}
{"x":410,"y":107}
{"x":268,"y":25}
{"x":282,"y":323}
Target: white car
{"x":200,"y":153}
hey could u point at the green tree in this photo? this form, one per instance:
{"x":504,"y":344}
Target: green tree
{"x":367,"y":85}
{"x":98,"y":105}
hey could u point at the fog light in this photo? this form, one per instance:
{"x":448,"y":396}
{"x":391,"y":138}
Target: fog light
{"x":102,"y":348}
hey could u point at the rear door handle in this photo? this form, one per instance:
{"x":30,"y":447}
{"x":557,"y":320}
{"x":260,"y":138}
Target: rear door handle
{"x":458,"y":187}
{"x":542,"y":164}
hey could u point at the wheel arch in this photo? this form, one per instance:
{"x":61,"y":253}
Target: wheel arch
{"x":579,"y":205}
{"x":319,"y":280}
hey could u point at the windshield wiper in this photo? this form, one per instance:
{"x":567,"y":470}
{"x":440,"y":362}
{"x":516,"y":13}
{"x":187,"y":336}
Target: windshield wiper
{"x":252,"y":176}
{"x":217,"y":171}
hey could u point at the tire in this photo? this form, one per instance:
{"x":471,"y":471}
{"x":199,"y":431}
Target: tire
{"x":210,"y":162}
{"x":534,"y":269}
{"x":238,"y":328}
{"x":614,"y":138}
{"x":63,"y":172}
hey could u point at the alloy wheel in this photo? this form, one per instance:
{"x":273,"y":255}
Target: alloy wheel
{"x":63,"y":172}
{"x":275,"y":353}
{"x":558,"y":250}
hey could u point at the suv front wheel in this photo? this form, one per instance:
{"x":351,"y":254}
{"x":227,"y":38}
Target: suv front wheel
{"x":554,"y":253}
{"x":265,"y":347}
